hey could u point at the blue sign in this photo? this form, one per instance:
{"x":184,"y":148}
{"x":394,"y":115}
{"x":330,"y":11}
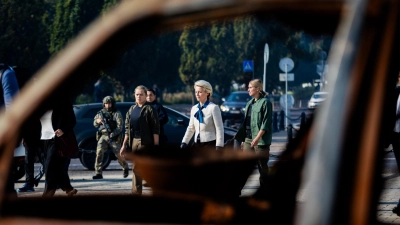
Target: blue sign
{"x":248,"y":66}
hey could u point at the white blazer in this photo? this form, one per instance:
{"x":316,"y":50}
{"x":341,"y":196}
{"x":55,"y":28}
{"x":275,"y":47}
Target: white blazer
{"x":212,"y":128}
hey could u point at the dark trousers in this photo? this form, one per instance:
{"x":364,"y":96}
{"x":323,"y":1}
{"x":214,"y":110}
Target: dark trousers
{"x":55,"y":170}
{"x":208,"y":144}
{"x":10,"y":187}
{"x":396,"y":148}
{"x":32,"y":149}
{"x":31,"y":133}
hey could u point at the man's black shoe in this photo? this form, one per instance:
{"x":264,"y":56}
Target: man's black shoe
{"x":396,"y":210}
{"x":26,"y":188}
{"x":38,"y":177}
{"x":36,"y":182}
{"x":126,"y":173}
{"x":97,"y":176}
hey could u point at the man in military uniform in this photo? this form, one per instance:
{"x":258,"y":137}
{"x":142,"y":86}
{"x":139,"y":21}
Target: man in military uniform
{"x":109,"y":123}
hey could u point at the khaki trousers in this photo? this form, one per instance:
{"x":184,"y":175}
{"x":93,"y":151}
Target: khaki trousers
{"x":137,"y":181}
{"x":262,"y":164}
{"x":102,"y":147}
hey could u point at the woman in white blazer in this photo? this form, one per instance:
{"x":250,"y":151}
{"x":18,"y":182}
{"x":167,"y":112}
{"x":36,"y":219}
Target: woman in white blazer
{"x":205,"y":120}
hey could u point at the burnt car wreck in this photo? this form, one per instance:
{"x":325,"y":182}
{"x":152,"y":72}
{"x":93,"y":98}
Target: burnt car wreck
{"x":341,"y":162}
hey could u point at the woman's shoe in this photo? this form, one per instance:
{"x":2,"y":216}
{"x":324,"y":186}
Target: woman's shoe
{"x":72,"y":192}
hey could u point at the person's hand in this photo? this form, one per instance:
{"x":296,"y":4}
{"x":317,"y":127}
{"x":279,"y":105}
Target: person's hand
{"x":59,"y":133}
{"x":99,"y":121}
{"x":241,"y":145}
{"x":23,"y":142}
{"x":122,"y":151}
{"x":254,"y":142}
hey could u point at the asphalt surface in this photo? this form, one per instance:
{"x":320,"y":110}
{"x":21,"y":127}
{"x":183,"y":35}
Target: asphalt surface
{"x":114,"y":183}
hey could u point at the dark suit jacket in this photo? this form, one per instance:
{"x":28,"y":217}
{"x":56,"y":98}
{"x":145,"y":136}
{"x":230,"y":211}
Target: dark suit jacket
{"x":390,"y":115}
{"x":63,"y":116}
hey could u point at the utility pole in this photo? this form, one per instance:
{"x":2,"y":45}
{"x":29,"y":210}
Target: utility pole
{"x":266,"y":57}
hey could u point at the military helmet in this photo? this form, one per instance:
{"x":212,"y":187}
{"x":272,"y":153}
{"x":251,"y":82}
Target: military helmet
{"x":109,"y":99}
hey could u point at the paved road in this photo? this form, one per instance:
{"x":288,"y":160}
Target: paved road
{"x":114,"y":183}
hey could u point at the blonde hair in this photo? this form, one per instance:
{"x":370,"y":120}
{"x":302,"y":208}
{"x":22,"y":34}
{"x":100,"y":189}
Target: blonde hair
{"x":206,"y":85}
{"x":257,"y":83}
{"x":143,"y":88}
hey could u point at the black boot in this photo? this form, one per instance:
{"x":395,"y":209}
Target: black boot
{"x":97,"y":176}
{"x":126,"y":173}
{"x":396,"y":209}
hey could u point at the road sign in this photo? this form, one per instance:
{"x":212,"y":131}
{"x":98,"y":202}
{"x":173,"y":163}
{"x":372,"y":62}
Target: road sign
{"x":266,"y":53}
{"x":286,"y":63}
{"x":290,"y":101}
{"x":248,"y":66}
{"x":322,"y":69}
{"x":290,"y":77}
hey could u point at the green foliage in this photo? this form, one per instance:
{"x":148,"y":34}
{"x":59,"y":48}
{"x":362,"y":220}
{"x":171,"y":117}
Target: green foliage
{"x":71,"y":16}
{"x":228,"y":43}
{"x":108,"y":4}
{"x":177,"y":98}
{"x":23,"y":39}
{"x":195,"y":46}
{"x":83,"y":99}
{"x":154,"y":60}
{"x":31,"y":31}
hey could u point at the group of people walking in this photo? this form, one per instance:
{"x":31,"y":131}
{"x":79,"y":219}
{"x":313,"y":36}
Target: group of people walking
{"x":144,"y":130}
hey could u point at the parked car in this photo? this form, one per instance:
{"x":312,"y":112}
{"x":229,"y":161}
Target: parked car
{"x":86,"y":133}
{"x":316,"y":99}
{"x":233,"y":106}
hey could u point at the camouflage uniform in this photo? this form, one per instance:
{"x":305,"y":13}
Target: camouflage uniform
{"x":115,"y":123}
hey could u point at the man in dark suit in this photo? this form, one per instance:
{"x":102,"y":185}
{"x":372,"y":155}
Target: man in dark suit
{"x":395,"y":123}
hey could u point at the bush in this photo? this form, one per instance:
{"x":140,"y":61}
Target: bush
{"x":303,"y":93}
{"x":177,"y":98}
{"x":83,"y":99}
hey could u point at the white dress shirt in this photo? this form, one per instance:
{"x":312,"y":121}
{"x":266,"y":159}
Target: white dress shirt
{"x":47,"y":126}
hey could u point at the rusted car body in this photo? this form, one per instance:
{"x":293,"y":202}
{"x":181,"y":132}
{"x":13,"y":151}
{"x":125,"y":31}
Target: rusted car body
{"x":342,"y":161}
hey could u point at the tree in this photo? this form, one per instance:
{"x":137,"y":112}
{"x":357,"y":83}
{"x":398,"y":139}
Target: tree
{"x":195,"y":44}
{"x":71,"y":16}
{"x":23,"y":39}
{"x":247,"y":33}
{"x":221,"y":67}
